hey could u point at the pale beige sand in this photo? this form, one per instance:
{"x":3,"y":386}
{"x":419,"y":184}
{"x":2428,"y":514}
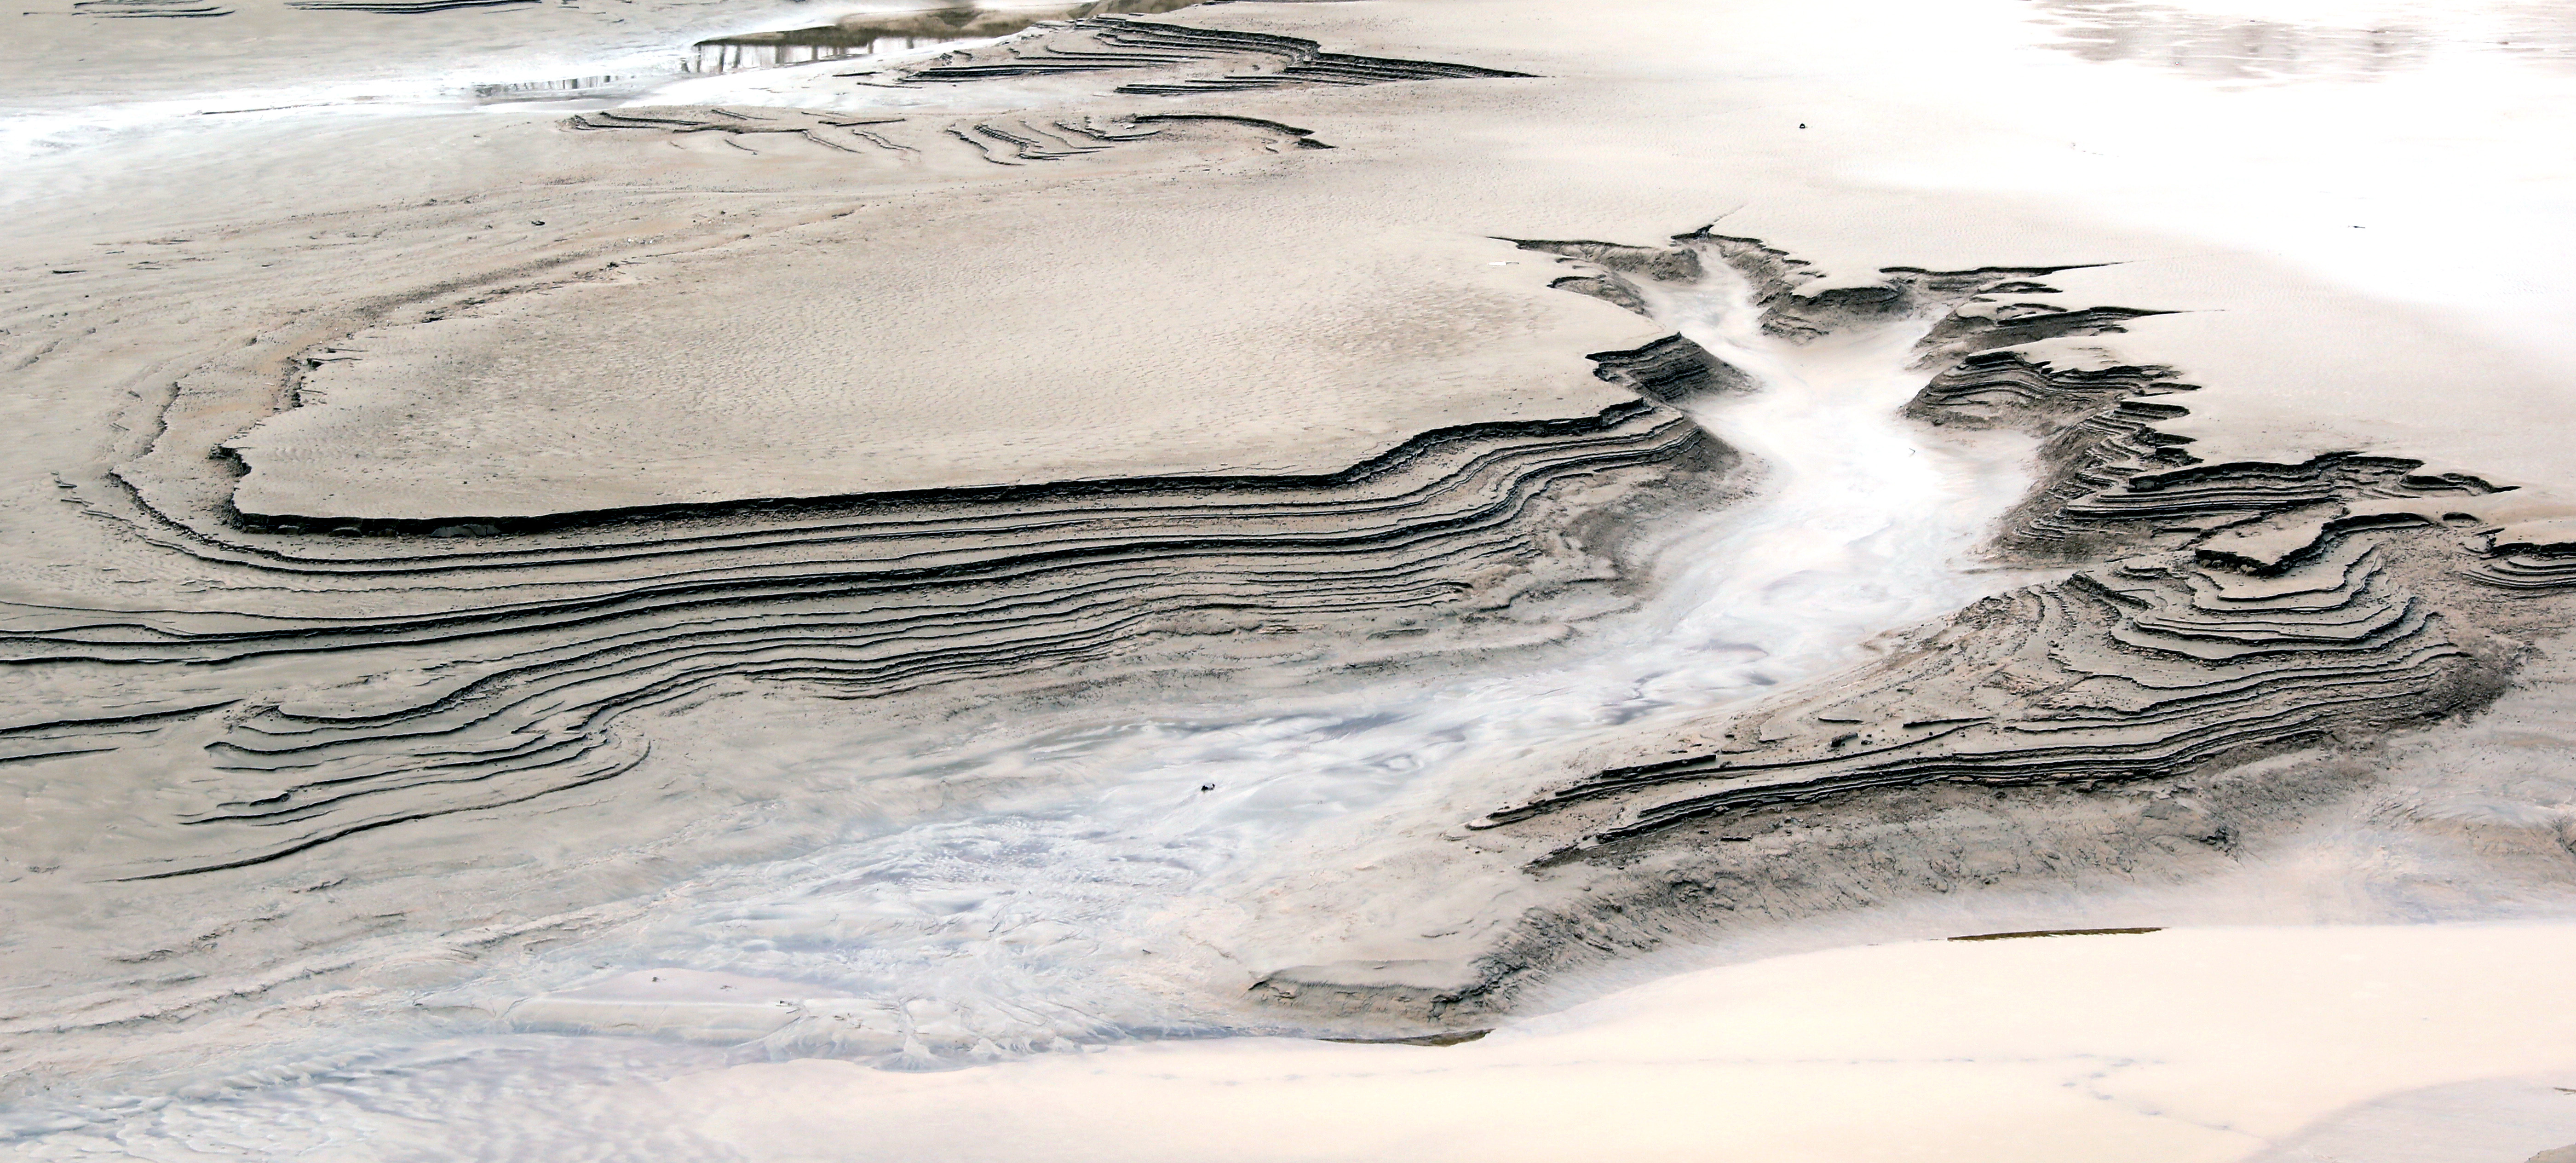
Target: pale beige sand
{"x":2175,"y":1047}
{"x":946,"y":345}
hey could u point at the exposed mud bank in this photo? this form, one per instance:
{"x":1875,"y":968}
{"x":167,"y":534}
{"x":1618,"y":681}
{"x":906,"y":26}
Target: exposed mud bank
{"x":2227,"y":648}
{"x":1459,"y":539}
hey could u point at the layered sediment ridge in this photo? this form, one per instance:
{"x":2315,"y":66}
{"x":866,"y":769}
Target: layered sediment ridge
{"x":447,"y":535}
{"x":2215,"y":614}
{"x":1215,"y":61}
{"x":2144,"y":669}
{"x":570,"y":622}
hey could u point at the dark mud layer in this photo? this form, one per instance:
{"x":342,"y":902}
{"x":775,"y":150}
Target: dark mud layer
{"x":2229,"y":643}
{"x":849,"y":598}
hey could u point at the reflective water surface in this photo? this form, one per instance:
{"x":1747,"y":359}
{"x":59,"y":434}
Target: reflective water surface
{"x":2271,"y":43}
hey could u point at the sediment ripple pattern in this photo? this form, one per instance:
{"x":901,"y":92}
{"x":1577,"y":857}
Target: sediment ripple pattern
{"x":2212,"y":614}
{"x":2144,"y":668}
{"x":2116,"y":480}
{"x":2270,"y":611}
{"x":491,"y":702}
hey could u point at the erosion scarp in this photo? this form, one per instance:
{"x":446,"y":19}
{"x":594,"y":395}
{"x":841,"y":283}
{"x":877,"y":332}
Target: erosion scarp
{"x":514,"y":687}
{"x":2142,"y":669}
{"x":2214,"y":614}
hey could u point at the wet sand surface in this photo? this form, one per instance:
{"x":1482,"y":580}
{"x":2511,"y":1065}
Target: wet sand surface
{"x":908,"y":604}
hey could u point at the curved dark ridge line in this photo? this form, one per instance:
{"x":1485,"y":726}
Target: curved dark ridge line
{"x":2024,"y":766}
{"x":1019,"y":562}
{"x":1619,"y":781}
{"x":532,"y":274}
{"x":368,"y":826}
{"x":649,"y":649}
{"x":1090,"y":643}
{"x":2230,"y":680}
{"x":510,"y":692}
{"x":1009,"y":494}
{"x":1096,"y":641}
{"x":2158,"y":758}
{"x":2233,"y":472}
{"x":1305,"y":137}
{"x":1483,"y":461}
{"x":532,"y":755}
{"x":1017,"y":653}
{"x":745,"y":541}
{"x":1502,"y":519}
{"x":2114,"y":467}
{"x":585,"y":735}
{"x":709,"y":598}
{"x":148,"y":9}
{"x":900,"y":636}
{"x":397,"y":7}
{"x":139,"y":717}
{"x":950,"y":524}
{"x":38,"y":756}
{"x":1669,"y":370}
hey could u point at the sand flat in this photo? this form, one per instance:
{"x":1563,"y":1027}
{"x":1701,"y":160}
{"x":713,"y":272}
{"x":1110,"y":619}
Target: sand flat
{"x":936,"y":346}
{"x":2186,"y":1045}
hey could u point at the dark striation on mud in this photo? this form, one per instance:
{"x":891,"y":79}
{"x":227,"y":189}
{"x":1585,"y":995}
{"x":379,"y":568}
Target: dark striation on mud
{"x":425,"y":668}
{"x":2218,"y":614}
{"x":1239,"y":61}
{"x":398,"y":7}
{"x":1472,"y":536}
{"x":2528,"y":568}
{"x":130,"y":9}
{"x":2148,"y":668}
{"x":1669,"y":369}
